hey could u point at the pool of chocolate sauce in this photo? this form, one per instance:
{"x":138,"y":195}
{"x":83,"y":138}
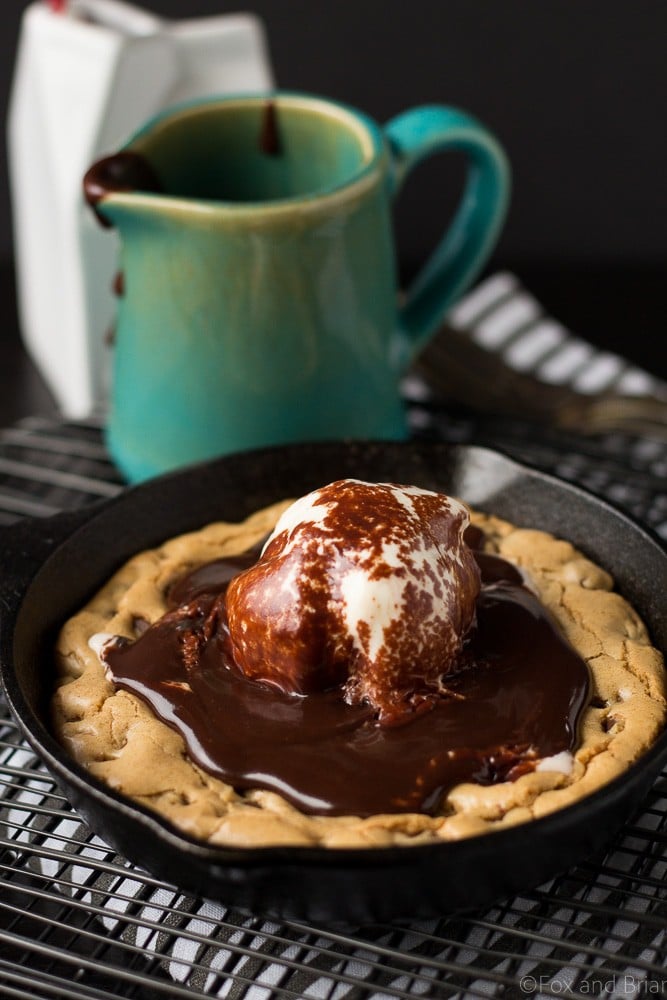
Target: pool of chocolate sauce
{"x":514,"y":696}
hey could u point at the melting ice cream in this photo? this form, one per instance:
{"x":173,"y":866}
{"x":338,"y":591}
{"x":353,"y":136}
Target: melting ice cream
{"x":362,"y":584}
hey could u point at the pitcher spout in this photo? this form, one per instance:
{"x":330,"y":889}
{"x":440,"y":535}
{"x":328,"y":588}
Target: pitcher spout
{"x":125,"y":172}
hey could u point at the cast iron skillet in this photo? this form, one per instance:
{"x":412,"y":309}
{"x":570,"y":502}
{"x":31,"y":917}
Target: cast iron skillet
{"x":50,"y":568}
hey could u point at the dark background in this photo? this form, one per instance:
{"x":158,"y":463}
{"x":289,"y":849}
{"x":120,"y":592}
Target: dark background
{"x":576,"y":91}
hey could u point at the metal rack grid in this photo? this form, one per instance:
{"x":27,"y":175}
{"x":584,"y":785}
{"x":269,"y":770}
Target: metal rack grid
{"x":77,"y":921}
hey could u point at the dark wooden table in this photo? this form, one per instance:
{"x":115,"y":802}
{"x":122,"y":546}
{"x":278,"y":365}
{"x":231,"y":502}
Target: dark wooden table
{"x":617,"y":308}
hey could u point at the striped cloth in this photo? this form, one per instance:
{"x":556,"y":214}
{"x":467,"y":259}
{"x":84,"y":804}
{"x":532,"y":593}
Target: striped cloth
{"x":502,"y":317}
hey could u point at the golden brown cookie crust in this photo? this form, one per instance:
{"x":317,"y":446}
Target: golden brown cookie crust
{"x":119,"y":740}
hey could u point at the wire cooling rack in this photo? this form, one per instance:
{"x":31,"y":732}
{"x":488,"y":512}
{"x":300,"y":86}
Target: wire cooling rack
{"x":79,"y":922}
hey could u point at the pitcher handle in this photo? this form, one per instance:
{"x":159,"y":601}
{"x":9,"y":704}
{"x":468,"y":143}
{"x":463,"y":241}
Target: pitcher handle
{"x":472,"y":234}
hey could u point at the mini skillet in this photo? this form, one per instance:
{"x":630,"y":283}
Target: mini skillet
{"x":51,"y":567}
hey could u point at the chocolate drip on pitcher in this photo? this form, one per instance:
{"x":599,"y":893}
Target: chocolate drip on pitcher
{"x":118,"y":284}
{"x":269,"y":138}
{"x":124,"y":171}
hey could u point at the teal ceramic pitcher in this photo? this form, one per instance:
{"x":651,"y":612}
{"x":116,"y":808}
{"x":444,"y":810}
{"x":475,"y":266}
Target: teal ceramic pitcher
{"x":259,"y":300}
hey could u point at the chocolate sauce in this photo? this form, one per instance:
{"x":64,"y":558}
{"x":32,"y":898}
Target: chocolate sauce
{"x":124,"y":171}
{"x":515,"y":696}
{"x":269,"y":137}
{"x":118,"y":284}
{"x":211,"y":578}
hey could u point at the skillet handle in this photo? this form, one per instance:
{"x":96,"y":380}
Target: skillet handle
{"x":24,"y":547}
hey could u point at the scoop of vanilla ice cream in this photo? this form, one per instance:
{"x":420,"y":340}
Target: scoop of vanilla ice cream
{"x":365,"y":585}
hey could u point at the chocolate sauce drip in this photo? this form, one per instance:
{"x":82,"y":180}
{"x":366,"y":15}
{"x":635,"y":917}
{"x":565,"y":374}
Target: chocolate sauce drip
{"x":118,"y":284}
{"x":269,"y":137}
{"x":515,"y":696}
{"x":124,"y":171}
